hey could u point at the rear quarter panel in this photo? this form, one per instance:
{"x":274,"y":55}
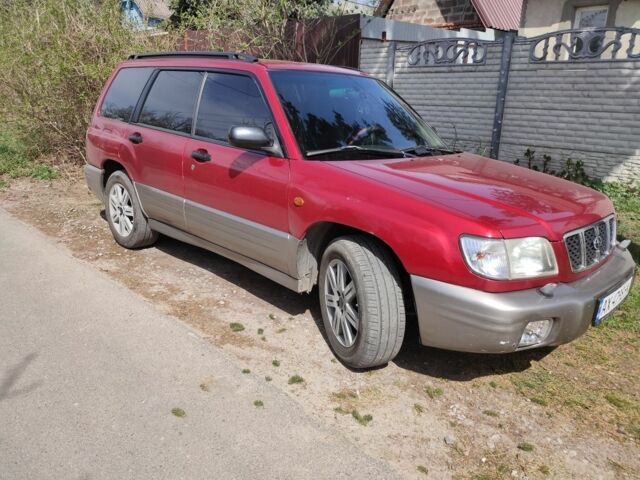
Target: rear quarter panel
{"x":107,"y":138}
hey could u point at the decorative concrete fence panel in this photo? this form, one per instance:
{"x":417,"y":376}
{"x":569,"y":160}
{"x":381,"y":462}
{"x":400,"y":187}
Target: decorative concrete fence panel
{"x":572,"y":94}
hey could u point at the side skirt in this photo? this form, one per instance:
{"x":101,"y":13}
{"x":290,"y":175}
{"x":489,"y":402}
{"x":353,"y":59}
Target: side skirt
{"x":264,"y":270}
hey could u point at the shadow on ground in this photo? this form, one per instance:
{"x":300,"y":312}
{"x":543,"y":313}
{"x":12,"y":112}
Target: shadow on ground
{"x":461,"y":366}
{"x":431,"y":362}
{"x":634,"y":248}
{"x":12,"y":377}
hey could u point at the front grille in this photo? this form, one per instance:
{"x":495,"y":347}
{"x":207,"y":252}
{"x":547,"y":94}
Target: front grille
{"x":591,"y":244}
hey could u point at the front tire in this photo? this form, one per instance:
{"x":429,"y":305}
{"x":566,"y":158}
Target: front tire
{"x":126,"y":220}
{"x":361,"y":301}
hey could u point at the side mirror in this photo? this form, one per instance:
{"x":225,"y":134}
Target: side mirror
{"x":252,"y":138}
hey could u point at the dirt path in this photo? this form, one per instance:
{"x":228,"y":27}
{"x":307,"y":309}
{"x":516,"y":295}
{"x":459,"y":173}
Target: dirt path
{"x":434,"y":413}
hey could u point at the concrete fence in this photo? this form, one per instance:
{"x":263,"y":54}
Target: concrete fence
{"x":572,"y":94}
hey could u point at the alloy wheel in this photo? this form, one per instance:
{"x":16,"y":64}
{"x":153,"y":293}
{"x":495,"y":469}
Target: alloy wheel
{"x":341,"y":302}
{"x":121,"y":210}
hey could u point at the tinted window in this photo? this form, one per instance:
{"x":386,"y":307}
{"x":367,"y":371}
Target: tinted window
{"x":124,"y":92}
{"x":171,"y":101}
{"x":333,"y":110}
{"x":231,"y":100}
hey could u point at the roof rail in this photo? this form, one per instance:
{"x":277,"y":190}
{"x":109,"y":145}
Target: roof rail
{"x":245,"y":57}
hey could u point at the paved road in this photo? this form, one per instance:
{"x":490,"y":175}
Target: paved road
{"x":89,"y":374}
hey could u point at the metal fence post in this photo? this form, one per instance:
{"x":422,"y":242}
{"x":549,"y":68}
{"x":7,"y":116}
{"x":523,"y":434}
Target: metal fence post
{"x":505,"y":66}
{"x":391,"y":63}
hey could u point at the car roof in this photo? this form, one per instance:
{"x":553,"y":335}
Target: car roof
{"x":312,"y":67}
{"x":214,"y":60}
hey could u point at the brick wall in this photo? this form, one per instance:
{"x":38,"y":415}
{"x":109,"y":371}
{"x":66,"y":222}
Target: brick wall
{"x":436,"y":13}
{"x":584,"y":111}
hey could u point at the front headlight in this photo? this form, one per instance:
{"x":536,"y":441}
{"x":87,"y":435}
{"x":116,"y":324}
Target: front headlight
{"x":509,"y":259}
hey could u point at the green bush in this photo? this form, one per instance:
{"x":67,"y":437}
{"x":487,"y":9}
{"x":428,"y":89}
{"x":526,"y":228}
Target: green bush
{"x":55,"y":56}
{"x":15,"y":162}
{"x":299,"y":30}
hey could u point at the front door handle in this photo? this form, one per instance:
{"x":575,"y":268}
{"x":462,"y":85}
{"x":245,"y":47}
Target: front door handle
{"x":135,"y":138}
{"x":201,"y":155}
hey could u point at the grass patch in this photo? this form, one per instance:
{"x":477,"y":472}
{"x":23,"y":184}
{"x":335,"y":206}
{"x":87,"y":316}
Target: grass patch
{"x":272,"y":316}
{"x":495,"y":465}
{"x":433,"y":392}
{"x":576,"y":402}
{"x":490,"y":413}
{"x":281,"y":330}
{"x":178,"y":412}
{"x":261,"y":331}
{"x":15,"y":162}
{"x":493,"y":384}
{"x":344,"y":394}
{"x":361,"y":419}
{"x":618,"y":401}
{"x":236,"y":327}
{"x":526,"y":447}
{"x":539,"y":401}
{"x":267,"y":378}
{"x":422,"y":469}
{"x":275,"y":363}
{"x":543,"y":469}
{"x":537,"y":385}
{"x":419,"y":409}
{"x":341,"y":411}
{"x":295,"y":379}
{"x":627,"y":317}
{"x":246,"y":370}
{"x":258,"y":403}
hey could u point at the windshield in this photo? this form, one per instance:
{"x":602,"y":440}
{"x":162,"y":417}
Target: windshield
{"x":339,"y":112}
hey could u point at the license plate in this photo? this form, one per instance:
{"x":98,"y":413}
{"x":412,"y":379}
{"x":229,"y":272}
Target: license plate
{"x":609,"y":303}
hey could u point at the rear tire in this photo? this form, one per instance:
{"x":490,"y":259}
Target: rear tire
{"x":126,"y":220}
{"x":361,"y":301}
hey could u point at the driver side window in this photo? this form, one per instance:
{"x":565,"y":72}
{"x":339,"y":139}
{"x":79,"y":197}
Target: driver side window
{"x":230,"y":100}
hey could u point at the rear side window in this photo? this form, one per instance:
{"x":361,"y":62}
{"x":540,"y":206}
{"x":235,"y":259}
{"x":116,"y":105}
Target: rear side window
{"x":230,"y":100}
{"x":171,"y":101}
{"x":124,"y":92}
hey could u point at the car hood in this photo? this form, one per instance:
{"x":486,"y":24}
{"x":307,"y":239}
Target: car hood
{"x":515,"y":200}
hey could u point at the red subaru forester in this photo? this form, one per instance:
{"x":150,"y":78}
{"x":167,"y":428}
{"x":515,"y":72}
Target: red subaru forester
{"x":312,"y":174}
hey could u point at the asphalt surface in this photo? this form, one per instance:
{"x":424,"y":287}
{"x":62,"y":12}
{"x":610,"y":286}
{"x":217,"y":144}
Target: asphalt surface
{"x":90,"y":373}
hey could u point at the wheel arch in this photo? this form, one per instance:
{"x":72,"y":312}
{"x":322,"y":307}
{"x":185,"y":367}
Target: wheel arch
{"x":319,"y":235}
{"x":109,"y":166}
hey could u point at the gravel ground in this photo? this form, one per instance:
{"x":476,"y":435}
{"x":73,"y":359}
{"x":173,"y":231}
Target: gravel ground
{"x":434,"y":413}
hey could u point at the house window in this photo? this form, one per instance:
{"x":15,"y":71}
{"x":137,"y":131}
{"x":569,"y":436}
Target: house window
{"x":591,"y":17}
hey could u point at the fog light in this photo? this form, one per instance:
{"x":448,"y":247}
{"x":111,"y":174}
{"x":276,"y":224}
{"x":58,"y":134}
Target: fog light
{"x":535,"y":332}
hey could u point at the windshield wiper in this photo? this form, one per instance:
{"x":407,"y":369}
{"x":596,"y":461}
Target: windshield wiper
{"x":359,"y":148}
{"x":420,"y":150}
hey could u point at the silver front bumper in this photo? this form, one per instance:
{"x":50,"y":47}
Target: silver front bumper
{"x":460,"y":318}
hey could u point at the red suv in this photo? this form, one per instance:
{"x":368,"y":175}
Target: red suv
{"x":312,"y":174}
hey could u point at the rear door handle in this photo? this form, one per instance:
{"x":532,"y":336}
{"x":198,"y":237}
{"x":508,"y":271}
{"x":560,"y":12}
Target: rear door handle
{"x":201,"y":155}
{"x":135,"y":138}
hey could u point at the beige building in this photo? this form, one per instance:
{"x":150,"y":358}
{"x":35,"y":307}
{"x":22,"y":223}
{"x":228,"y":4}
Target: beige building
{"x":544,"y":16}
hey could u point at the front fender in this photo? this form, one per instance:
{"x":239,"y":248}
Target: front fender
{"x":423,"y":237}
